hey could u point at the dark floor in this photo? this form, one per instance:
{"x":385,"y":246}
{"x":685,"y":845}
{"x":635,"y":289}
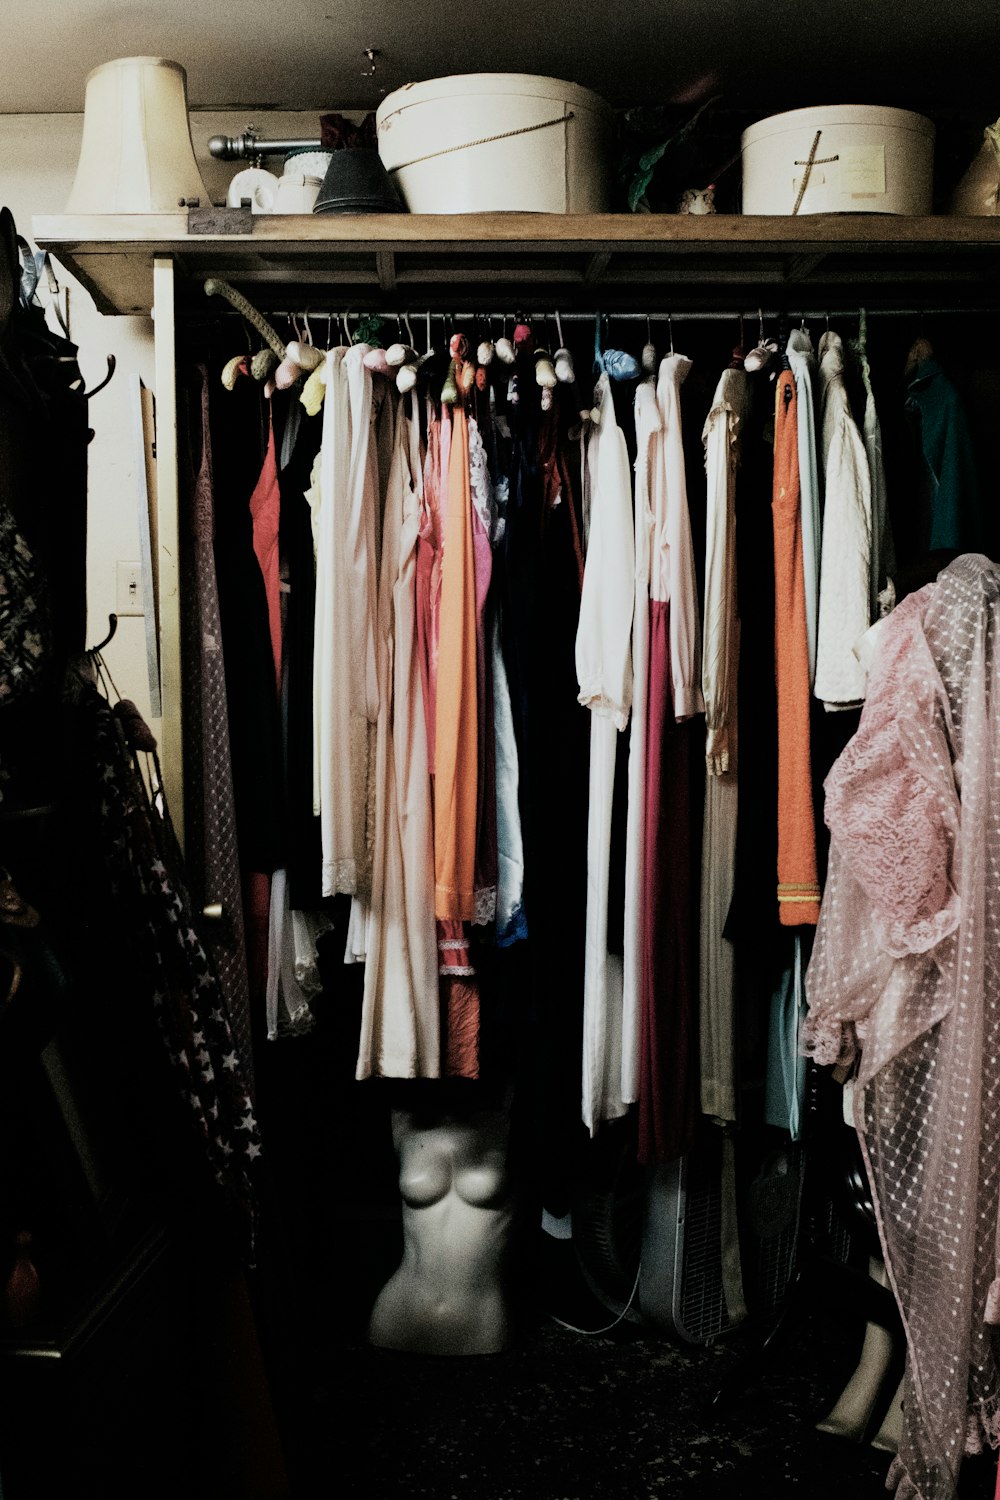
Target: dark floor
{"x":564,"y":1417}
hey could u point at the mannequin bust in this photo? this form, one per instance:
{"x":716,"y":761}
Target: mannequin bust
{"x":447,"y":1295}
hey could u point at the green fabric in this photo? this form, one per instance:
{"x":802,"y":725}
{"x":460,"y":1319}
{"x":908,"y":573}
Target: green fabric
{"x":957,"y":521}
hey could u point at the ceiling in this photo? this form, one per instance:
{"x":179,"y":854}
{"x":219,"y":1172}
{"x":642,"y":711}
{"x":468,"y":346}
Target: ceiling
{"x":309,"y":54}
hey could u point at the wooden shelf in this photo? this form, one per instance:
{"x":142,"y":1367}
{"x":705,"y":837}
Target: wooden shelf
{"x":611,"y":260}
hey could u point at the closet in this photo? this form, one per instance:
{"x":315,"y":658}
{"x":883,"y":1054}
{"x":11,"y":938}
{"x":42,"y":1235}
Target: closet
{"x":680,"y":272}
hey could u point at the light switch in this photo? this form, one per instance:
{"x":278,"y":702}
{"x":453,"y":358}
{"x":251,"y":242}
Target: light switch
{"x":128,"y":589}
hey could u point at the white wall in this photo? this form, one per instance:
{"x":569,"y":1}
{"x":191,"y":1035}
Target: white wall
{"x":39,"y":155}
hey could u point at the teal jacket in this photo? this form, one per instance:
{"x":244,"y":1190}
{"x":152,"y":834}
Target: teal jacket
{"x":935,"y":407}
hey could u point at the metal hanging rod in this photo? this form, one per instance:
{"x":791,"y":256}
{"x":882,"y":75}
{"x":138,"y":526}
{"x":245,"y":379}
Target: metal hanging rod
{"x":538,"y":315}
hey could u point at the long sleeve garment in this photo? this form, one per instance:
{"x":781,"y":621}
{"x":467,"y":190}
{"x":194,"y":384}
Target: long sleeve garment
{"x":903,"y":980}
{"x":883,"y":552}
{"x":803,"y":362}
{"x":604,"y":670}
{"x":372,"y":436}
{"x":512,"y":925}
{"x":647,"y":426}
{"x":798,"y":880}
{"x":400,"y":1019}
{"x":456,"y":750}
{"x":458,"y":987}
{"x":949,"y":475}
{"x":486,"y":807}
{"x":668,"y":1093}
{"x":344,"y":680}
{"x":720,"y":668}
{"x":720,"y":655}
{"x":672,"y":577}
{"x":844,"y":594}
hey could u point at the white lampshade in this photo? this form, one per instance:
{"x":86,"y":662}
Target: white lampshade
{"x":136,"y":156}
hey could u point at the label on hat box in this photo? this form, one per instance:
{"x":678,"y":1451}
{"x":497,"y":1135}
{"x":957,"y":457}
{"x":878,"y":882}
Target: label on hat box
{"x":862,"y":171}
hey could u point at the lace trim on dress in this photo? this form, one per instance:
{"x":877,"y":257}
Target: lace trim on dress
{"x":486,"y":906}
{"x":295,"y":1022}
{"x":340,"y":877}
{"x":599,"y":704}
{"x":480,"y":482}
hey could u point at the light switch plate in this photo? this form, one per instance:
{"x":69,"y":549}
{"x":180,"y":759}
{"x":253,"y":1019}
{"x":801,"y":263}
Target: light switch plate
{"x":128,"y":589}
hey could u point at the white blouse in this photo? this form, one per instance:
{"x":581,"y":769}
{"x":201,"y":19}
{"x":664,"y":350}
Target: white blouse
{"x":844,"y":591}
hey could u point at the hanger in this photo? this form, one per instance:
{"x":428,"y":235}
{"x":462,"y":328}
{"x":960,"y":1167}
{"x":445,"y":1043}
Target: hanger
{"x":503,"y":347}
{"x":920,"y":350}
{"x":764,"y":350}
{"x":563,"y":359}
{"x":216,"y":287}
{"x":649,"y":351}
{"x":617,"y":363}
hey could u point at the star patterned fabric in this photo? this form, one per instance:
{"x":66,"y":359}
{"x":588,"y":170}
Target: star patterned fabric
{"x":144,"y":868}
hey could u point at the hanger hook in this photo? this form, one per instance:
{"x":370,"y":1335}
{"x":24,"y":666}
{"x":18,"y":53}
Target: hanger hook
{"x":670,"y":331}
{"x":112,"y":362}
{"x":112,"y":627}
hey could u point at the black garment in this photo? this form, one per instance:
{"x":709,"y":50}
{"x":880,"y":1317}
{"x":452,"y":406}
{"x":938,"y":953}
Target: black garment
{"x":752,"y":925}
{"x":538,"y":581}
{"x":212,"y":851}
{"x":237,"y":433}
{"x":43,"y":534}
{"x":303,"y":853}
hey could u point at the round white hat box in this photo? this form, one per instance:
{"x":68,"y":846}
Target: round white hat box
{"x":852,"y":158}
{"x":497,"y":142}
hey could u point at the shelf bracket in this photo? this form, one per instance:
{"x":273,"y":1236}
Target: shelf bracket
{"x":800,"y":267}
{"x":596,"y":266}
{"x":385,"y":263}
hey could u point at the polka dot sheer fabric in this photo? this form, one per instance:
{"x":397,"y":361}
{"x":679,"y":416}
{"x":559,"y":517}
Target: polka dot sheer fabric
{"x":905,"y":983}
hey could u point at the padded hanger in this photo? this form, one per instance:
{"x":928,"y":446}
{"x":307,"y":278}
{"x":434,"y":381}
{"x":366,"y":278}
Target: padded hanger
{"x":920,"y":350}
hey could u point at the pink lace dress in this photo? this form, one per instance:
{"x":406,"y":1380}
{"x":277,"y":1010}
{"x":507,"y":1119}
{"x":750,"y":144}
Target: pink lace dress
{"x":905,"y":983}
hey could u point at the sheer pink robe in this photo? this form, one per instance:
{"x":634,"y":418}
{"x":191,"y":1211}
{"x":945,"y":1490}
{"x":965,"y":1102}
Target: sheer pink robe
{"x":905,"y":979}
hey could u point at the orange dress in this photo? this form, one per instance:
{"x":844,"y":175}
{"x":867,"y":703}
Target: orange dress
{"x":798,"y":882}
{"x":456,"y":750}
